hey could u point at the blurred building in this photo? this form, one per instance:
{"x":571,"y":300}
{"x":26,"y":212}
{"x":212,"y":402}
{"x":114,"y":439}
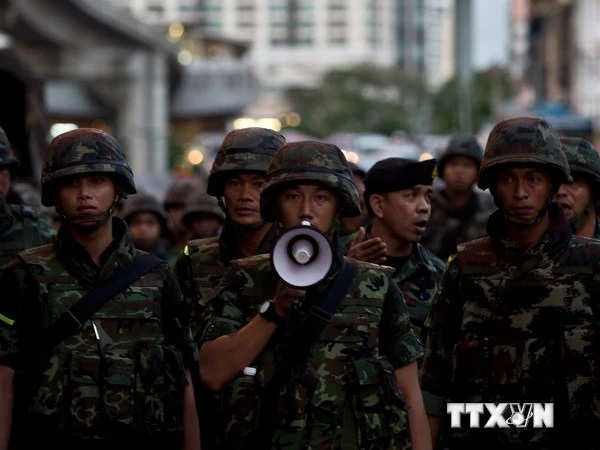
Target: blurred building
{"x":88,"y":63}
{"x":295,"y":41}
{"x":557,"y":57}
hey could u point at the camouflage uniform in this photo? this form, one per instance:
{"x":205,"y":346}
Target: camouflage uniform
{"x":124,"y":387}
{"x":201,"y":265}
{"x":449,"y":225}
{"x":418,"y":278}
{"x":355,"y":403}
{"x":584,"y":160}
{"x":20,"y":226}
{"x":519,"y":325}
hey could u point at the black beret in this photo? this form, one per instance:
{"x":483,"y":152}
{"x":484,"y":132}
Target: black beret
{"x":396,"y":174}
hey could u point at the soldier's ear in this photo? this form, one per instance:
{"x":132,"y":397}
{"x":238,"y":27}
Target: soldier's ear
{"x":376,"y":202}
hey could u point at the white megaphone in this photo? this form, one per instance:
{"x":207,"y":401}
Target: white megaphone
{"x":302,"y":256}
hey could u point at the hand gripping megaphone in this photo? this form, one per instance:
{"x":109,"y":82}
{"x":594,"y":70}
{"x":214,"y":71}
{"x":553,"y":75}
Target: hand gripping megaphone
{"x":302,"y":256}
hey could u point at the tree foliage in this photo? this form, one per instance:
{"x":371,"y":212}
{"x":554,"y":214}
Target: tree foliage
{"x":365,"y":98}
{"x":488,"y":88}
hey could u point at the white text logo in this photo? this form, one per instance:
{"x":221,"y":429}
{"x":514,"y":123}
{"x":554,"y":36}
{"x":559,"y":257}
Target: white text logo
{"x":502,"y":415}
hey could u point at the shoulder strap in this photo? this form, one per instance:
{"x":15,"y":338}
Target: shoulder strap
{"x":319,"y":316}
{"x":74,"y":317}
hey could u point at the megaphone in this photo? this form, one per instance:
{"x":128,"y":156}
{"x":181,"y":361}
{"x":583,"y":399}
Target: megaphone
{"x":302,"y":256}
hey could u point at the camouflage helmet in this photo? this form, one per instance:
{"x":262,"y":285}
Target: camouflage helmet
{"x":201,"y":203}
{"x":84,"y":150}
{"x":179,"y":192}
{"x":309,"y":161}
{"x":523,"y":141}
{"x":582,"y":157}
{"x":243,"y":150}
{"x":143,"y":202}
{"x":460,"y":145}
{"x":7,"y":157}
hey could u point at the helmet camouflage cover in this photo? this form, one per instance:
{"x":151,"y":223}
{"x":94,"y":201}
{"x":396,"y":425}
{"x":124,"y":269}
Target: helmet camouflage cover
{"x":460,"y":145}
{"x":244,"y":150}
{"x":523,"y":141}
{"x":582,"y":157}
{"x":202,"y":203}
{"x":7,"y":157}
{"x":308,"y":161}
{"x":84,"y":150}
{"x":143,"y":202}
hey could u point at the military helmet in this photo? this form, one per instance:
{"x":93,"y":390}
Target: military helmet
{"x":582,"y":157}
{"x":523,"y":141}
{"x":460,"y":145}
{"x":143,"y":202}
{"x":179,"y":193}
{"x":84,"y":150}
{"x":7,"y":156}
{"x":309,"y":161}
{"x":201,"y":203}
{"x":244,"y":150}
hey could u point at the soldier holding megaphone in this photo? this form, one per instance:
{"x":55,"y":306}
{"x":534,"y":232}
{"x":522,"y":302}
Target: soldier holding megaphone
{"x":312,"y":349}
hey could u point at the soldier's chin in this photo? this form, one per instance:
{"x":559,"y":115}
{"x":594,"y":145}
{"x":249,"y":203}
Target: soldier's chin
{"x":86,"y":226}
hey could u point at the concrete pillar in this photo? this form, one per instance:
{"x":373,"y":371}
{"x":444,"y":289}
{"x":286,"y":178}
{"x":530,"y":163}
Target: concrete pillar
{"x":143,"y":113}
{"x":463,"y":63}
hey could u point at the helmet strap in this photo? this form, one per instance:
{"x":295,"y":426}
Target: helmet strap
{"x":91,"y":223}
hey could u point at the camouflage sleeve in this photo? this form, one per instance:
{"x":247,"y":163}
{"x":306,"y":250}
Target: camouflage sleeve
{"x":225,"y":311}
{"x":175,"y":318}
{"x":16,"y":285}
{"x":396,"y":339}
{"x":443,"y":323}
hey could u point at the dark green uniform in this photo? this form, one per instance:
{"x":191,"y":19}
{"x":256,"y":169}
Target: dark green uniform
{"x":513,"y":324}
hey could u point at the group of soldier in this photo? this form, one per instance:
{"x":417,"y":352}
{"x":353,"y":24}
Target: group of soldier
{"x":107,"y":341}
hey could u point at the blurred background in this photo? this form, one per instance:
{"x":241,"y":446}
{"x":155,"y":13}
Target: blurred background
{"x":379,"y":78}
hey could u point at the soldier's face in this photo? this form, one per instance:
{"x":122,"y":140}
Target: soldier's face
{"x":242,"y":197}
{"x":4,"y":182}
{"x":86,"y":195}
{"x":460,"y":173}
{"x":145,"y":230}
{"x":312,"y":202}
{"x":404,"y":214}
{"x":523,"y":192}
{"x":204,"y":226}
{"x":575,"y":197}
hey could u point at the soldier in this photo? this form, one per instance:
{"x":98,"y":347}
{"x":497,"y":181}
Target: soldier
{"x":148,"y":224}
{"x":340,"y":389}
{"x":95,"y":373}
{"x":20,"y":226}
{"x":202,"y":216}
{"x":515,"y":316}
{"x":174,"y":203}
{"x":578,"y":199}
{"x":236,"y":179}
{"x":398,"y":198}
{"x":458,"y":212}
{"x":351,"y":225}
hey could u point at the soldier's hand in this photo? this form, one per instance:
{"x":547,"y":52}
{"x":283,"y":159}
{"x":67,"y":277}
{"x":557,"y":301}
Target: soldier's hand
{"x":371,"y":250}
{"x":287,"y":299}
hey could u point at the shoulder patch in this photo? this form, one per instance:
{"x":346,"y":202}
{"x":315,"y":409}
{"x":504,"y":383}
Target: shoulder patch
{"x":252,"y":261}
{"x":44,"y":252}
{"x":364,"y":266}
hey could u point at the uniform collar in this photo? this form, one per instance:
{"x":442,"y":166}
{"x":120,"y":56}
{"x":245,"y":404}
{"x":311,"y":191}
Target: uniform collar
{"x":555,"y":238}
{"x":79,"y":262}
